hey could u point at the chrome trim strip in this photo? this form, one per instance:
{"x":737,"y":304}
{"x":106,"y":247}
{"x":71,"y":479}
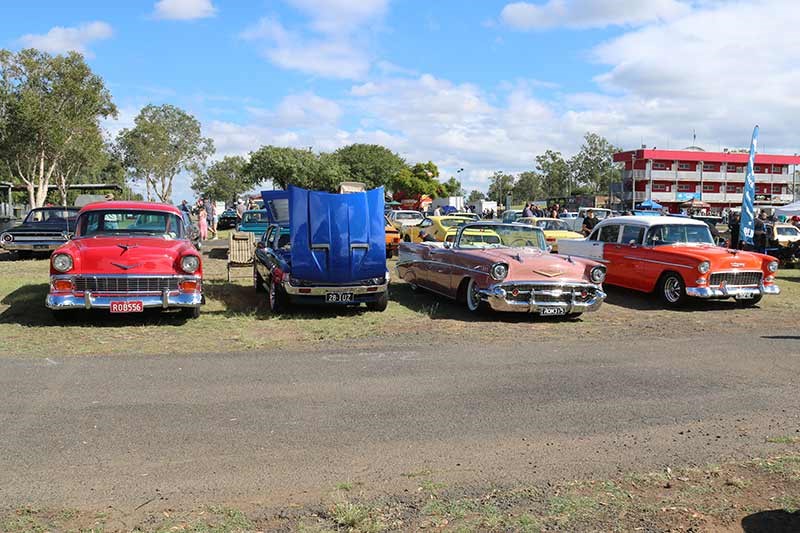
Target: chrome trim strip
{"x":359,"y":245}
{"x":728,"y":292}
{"x":87,"y":301}
{"x":658,"y":262}
{"x":293,"y":290}
{"x":429,"y":261}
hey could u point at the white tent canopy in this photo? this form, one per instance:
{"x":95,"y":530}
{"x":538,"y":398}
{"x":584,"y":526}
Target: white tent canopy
{"x":788,"y":210}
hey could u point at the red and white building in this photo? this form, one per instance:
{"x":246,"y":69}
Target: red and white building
{"x":671,"y":177}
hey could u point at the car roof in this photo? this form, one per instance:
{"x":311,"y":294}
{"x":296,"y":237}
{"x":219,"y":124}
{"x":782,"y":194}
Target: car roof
{"x":450,"y":217}
{"x":651,"y":221}
{"x":122,"y":205}
{"x":56,"y":207}
{"x":538,"y":218}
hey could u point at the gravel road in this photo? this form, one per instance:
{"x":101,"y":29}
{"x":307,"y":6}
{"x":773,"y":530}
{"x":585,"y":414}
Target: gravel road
{"x":280,"y":427}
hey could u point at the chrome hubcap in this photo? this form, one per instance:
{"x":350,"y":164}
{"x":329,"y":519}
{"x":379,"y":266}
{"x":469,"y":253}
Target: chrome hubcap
{"x":672,"y":289}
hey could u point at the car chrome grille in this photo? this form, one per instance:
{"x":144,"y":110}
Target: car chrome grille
{"x":545,"y":294}
{"x":747,"y":278}
{"x":122,"y":284}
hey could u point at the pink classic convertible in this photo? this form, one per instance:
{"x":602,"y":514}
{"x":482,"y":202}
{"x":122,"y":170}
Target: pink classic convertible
{"x":506,"y":267}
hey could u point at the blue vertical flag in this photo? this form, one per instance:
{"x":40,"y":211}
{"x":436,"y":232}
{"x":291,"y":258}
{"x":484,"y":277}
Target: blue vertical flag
{"x":747,"y":227}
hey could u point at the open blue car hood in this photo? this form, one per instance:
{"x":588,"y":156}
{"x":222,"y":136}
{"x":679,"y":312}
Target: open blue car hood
{"x":276,"y":204}
{"x":337,"y":238}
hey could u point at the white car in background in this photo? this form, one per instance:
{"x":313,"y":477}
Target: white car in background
{"x":401,"y":218}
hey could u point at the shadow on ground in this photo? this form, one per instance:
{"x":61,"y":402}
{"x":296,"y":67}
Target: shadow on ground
{"x":778,"y":521}
{"x":640,"y":301}
{"x":26,"y":308}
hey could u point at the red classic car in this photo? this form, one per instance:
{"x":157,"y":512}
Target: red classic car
{"x":506,"y":267}
{"x":125,"y":257}
{"x":677,"y":257}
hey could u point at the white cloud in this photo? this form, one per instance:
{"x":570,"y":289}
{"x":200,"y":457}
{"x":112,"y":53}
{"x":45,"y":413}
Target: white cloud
{"x":589,"y":13}
{"x":300,"y":110}
{"x":333,"y":45}
{"x":184,"y":9}
{"x":60,"y":39}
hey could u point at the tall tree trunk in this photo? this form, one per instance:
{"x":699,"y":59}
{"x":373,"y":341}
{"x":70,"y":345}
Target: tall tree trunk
{"x":31,"y":194}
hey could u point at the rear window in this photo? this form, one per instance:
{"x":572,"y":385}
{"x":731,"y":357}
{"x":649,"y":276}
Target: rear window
{"x":408,"y":216}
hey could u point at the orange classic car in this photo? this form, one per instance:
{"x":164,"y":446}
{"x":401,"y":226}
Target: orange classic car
{"x":505,"y":267}
{"x":676,"y":257}
{"x":392,"y":238}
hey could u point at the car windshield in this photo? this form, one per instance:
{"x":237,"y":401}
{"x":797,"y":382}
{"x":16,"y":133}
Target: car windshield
{"x":408,"y":216}
{"x":475,"y":236}
{"x":125,"y":221}
{"x":452,"y":222}
{"x":787,"y":230}
{"x":50,"y":215}
{"x":255,"y":217}
{"x":679,"y":234}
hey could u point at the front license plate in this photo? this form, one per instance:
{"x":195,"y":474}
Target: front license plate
{"x":746,"y":296}
{"x":127,"y":307}
{"x":552,"y":311}
{"x":41,"y":246}
{"x":339,"y":297}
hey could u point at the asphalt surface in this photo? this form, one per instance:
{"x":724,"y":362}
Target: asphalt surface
{"x":274,"y":428}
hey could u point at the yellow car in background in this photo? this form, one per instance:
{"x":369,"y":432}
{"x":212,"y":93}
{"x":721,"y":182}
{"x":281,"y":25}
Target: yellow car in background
{"x":437,"y":227}
{"x":553,"y":228}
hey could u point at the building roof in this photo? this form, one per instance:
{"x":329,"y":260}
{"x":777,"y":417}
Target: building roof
{"x":652,"y":221}
{"x":692,"y":154}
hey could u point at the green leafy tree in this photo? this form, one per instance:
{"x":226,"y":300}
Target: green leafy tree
{"x":452,"y":187}
{"x":50,"y":110}
{"x":371,"y":164}
{"x":500,"y":184}
{"x":164,"y":142}
{"x":528,"y":186}
{"x":474,"y":196}
{"x":555,"y":174}
{"x":85,"y":158}
{"x":292,"y":166}
{"x":223,"y":180}
{"x":593,"y":165}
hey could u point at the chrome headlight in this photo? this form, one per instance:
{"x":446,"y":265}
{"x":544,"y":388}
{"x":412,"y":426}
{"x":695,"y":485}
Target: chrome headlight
{"x":704,"y":267}
{"x":6,"y":237}
{"x":597,"y":274}
{"x":190,"y":263}
{"x":772,"y":266}
{"x":499,"y":271}
{"x":62,"y":262}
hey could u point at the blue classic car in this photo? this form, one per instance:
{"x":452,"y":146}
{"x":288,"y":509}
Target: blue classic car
{"x":43,"y":230}
{"x":254,"y":221}
{"x":323,"y":248}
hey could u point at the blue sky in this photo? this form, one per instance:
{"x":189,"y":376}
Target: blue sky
{"x":480,"y":85}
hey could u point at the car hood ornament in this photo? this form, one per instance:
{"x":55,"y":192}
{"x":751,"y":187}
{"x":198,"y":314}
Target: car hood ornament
{"x":126,"y":267}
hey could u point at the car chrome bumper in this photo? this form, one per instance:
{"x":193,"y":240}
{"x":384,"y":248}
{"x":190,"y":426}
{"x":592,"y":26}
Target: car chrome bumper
{"x":293,"y":290}
{"x":497,"y":298}
{"x":732,"y":292}
{"x":165,"y":300}
{"x":48,"y":246}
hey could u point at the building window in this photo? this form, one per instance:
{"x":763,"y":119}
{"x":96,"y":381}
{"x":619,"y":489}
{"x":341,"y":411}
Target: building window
{"x":708,"y":167}
{"x":734,"y":188}
{"x":757,"y":168}
{"x":708,"y":187}
{"x":659,"y":166}
{"x":659,"y":187}
{"x":777,"y":169}
{"x":684,"y":166}
{"x":732,"y":168}
{"x":685,"y":187}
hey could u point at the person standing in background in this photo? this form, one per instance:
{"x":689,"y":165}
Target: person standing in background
{"x":202,"y":222}
{"x":213,"y":217}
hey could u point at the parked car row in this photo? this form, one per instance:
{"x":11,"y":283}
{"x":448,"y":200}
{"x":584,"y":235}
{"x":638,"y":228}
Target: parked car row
{"x":331,"y":249}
